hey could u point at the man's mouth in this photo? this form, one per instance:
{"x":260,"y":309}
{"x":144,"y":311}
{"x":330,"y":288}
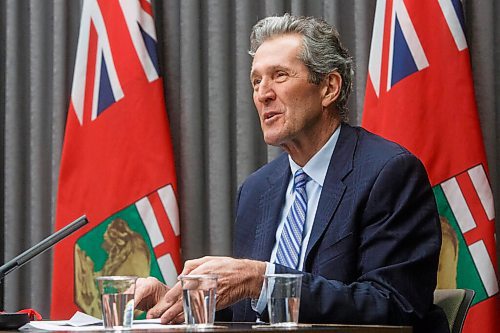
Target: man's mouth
{"x":270,"y":115}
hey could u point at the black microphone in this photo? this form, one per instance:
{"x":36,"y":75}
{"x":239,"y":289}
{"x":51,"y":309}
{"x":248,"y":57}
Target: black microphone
{"x":42,"y":246}
{"x":16,"y":320}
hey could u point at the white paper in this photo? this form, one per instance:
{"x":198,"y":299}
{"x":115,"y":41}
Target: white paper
{"x":83,"y":322}
{"x":59,"y":325}
{"x":83,"y":319}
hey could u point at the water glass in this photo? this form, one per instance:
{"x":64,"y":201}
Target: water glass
{"x":117,"y":297}
{"x":283,"y":298}
{"x":198,"y":298}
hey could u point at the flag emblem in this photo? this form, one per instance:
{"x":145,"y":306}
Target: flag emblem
{"x":466,"y":201}
{"x":140,"y":240}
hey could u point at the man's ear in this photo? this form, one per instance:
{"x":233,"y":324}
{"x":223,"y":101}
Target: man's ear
{"x":331,"y":89}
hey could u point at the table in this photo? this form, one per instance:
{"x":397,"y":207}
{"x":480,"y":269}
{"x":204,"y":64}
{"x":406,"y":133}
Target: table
{"x":230,"y":327}
{"x":251,"y":327}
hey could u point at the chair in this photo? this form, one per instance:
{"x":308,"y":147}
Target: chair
{"x":455,"y":304}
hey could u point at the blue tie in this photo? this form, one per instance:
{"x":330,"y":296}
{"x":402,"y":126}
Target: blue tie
{"x":291,"y":236}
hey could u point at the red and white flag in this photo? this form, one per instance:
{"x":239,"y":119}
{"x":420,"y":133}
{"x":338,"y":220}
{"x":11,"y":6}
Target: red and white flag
{"x":420,"y":94}
{"x":117,"y":162}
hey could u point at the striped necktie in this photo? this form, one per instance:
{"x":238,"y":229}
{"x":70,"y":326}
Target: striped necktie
{"x":291,"y":236}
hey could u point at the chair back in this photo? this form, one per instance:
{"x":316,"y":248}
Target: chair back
{"x":455,"y":304}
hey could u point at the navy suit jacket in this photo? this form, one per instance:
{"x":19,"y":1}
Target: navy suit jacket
{"x":373,"y":252}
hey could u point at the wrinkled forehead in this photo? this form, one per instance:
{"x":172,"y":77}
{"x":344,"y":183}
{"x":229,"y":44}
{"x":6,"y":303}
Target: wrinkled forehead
{"x":282,"y":50}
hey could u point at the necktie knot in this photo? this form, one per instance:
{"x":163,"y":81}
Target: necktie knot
{"x":300,"y":179}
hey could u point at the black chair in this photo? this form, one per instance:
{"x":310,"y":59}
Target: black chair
{"x":455,"y":304}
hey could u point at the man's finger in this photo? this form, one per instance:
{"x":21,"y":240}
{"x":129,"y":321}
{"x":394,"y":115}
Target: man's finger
{"x":179,"y":319}
{"x":159,"y":309}
{"x":170,"y":299}
{"x":193,"y":263}
{"x":175,"y":293}
{"x":171,"y":316}
{"x":147,"y":292}
{"x":189,"y":265}
{"x":142,"y":291}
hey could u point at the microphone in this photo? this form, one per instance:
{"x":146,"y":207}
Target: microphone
{"x":42,"y":246}
{"x":16,"y":320}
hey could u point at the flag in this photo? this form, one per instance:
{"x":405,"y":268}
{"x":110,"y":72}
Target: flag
{"x":117,"y":162}
{"x":420,"y":94}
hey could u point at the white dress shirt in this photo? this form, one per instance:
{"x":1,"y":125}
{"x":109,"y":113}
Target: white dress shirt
{"x":316,"y":168}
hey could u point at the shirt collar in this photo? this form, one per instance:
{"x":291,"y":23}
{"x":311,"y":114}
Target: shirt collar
{"x":317,"y":166}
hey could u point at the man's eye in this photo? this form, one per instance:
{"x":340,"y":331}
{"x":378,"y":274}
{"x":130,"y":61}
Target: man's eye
{"x":256,"y":82}
{"x":280,"y":76}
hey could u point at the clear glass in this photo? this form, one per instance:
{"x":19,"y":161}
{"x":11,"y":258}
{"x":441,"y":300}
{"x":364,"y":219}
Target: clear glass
{"x":283,"y":298}
{"x":199,"y":294}
{"x":117,"y":301}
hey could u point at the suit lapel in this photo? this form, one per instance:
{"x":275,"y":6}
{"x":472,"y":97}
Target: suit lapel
{"x":270,"y":204}
{"x":333,"y":187}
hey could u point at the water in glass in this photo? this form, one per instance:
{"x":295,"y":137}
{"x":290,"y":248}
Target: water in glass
{"x":284,"y":311}
{"x":118,"y":310}
{"x":199,"y":306}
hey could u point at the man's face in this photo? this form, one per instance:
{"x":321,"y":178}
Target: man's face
{"x":290,"y":108}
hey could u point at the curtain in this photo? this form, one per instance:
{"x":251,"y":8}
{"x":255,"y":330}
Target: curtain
{"x":203,"y":50}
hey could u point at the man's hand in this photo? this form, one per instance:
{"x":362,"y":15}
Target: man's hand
{"x":149,"y":295}
{"x":237,"y":279}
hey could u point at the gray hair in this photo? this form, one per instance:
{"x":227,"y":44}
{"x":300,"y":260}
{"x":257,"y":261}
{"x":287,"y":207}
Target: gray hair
{"x":322,"y":51}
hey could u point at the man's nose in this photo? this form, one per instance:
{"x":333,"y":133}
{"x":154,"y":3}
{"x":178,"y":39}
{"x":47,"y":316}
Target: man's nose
{"x":265,"y":93}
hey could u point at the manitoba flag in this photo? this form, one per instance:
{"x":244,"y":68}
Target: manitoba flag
{"x":420,"y":94}
{"x":117,"y":161}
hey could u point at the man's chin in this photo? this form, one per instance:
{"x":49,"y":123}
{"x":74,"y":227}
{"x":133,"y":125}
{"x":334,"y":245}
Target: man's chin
{"x":273,"y":138}
{"x":272,"y":142}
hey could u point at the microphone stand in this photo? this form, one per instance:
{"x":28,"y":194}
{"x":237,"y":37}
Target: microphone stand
{"x":16,"y":320}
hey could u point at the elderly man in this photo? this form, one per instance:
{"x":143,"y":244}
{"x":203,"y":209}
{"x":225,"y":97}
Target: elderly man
{"x":351,"y":211}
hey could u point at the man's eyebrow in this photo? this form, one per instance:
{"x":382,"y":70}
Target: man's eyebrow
{"x":272,"y":69}
{"x":252,"y":74}
{"x":280,"y":67}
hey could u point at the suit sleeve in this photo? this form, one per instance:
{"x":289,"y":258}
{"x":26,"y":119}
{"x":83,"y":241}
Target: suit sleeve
{"x":398,"y":240}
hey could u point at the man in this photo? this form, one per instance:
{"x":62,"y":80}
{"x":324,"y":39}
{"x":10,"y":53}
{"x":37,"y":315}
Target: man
{"x":352,"y":211}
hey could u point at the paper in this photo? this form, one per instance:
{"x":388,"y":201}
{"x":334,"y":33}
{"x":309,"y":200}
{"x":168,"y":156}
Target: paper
{"x":83,"y":319}
{"x":83,"y":322}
